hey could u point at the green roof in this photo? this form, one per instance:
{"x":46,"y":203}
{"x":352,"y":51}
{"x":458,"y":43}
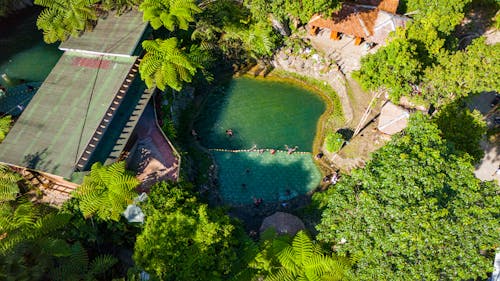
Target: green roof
{"x":58,"y":123}
{"x":114,"y":35}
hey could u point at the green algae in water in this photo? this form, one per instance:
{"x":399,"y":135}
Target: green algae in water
{"x":261,"y":113}
{"x":267,"y":115}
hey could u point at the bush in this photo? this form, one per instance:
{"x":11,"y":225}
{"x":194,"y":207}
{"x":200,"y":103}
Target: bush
{"x":334,"y":142}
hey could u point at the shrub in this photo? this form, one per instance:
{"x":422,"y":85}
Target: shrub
{"x":334,"y":142}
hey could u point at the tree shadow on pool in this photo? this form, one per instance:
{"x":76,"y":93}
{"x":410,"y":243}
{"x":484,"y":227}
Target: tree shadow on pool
{"x":247,"y":175}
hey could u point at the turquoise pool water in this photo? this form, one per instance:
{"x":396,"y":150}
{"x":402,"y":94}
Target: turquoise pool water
{"x":262,"y":115}
{"x":23,"y":53}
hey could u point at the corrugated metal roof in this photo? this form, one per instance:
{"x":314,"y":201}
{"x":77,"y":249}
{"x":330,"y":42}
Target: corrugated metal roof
{"x":61,"y":118}
{"x":114,"y":35}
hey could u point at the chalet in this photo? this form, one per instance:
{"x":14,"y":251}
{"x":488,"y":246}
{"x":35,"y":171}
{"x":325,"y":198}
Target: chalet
{"x":368,"y":20}
{"x":87,"y":108}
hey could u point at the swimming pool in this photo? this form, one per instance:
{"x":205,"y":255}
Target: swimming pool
{"x":263,"y":116}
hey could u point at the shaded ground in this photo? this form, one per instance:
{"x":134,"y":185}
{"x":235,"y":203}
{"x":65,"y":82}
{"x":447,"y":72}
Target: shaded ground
{"x":154,"y":158}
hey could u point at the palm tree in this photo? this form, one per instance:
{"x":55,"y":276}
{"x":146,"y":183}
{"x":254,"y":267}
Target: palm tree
{"x":106,"y":191}
{"x":303,"y":260}
{"x":63,"y":18}
{"x":9,"y":188}
{"x":169,"y":13}
{"x":165,"y":65}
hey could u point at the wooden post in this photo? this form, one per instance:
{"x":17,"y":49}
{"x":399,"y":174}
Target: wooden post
{"x":358,"y":41}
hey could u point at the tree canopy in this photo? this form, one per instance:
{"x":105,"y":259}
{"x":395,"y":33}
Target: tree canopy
{"x":106,"y":191}
{"x":183,"y":239}
{"x":169,"y":13}
{"x":62,"y":18}
{"x":422,"y":62}
{"x":165,"y":64}
{"x":416,"y":211}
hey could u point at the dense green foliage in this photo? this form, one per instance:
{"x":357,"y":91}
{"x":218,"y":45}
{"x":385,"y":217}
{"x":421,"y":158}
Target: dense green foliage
{"x":62,"y":18}
{"x":183,"y":239}
{"x":279,"y":258}
{"x":290,"y":10}
{"x":5,"y":123}
{"x":395,"y":67}
{"x":37,"y":244}
{"x":416,"y":211}
{"x":165,"y":65}
{"x":106,"y":191}
{"x":9,"y":187}
{"x":169,"y":13}
{"x":334,"y":142}
{"x":463,"y":128}
{"x":470,"y":71}
{"x":422,"y":62}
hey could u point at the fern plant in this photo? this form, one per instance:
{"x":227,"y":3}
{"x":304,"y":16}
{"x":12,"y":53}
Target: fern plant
{"x":63,"y":18}
{"x":5,"y":123}
{"x":22,"y":222}
{"x":169,"y":13}
{"x":258,"y":39}
{"x":304,"y":260}
{"x":165,"y":65}
{"x":76,"y":266}
{"x":8,"y":184}
{"x":106,"y":191}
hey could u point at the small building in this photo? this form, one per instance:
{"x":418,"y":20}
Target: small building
{"x":87,"y":108}
{"x":393,"y":119}
{"x":368,"y":20}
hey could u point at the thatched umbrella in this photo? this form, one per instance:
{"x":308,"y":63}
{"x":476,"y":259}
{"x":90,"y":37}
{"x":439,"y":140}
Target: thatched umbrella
{"x":283,"y":223}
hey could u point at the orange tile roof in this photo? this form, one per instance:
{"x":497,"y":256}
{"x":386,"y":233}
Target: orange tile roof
{"x":350,"y":19}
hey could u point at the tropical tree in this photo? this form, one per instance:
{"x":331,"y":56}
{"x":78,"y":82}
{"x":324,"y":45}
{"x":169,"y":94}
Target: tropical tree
{"x":181,"y":234}
{"x":304,"y":260}
{"x":415,"y":212}
{"x":169,"y":13}
{"x":395,"y":67}
{"x":462,"y":127}
{"x":471,"y":71}
{"x":259,"y":39}
{"x":63,"y":18}
{"x":106,"y":191}
{"x":165,"y":65}
{"x":278,"y":257}
{"x":76,"y":265}
{"x":5,"y":123}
